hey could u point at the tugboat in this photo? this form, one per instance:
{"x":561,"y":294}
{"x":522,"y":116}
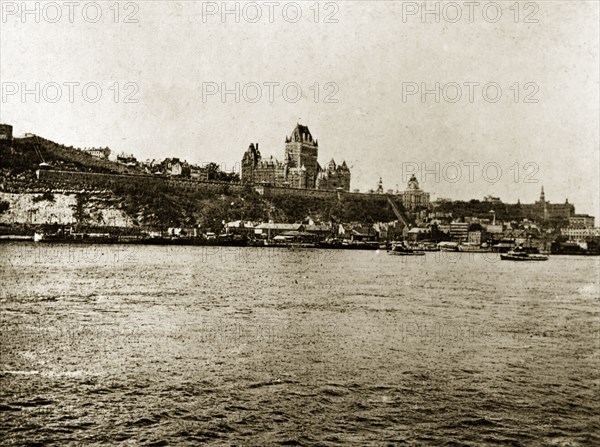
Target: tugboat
{"x":523,"y":254}
{"x":401,"y":250}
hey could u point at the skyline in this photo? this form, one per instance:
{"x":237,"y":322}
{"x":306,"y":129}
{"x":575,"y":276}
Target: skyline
{"x":421,"y":173}
{"x":374,"y":61}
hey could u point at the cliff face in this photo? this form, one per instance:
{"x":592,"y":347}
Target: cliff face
{"x":167,"y":207}
{"x":59,"y":208}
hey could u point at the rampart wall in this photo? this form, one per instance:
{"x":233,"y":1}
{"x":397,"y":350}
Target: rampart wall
{"x":99,"y":180}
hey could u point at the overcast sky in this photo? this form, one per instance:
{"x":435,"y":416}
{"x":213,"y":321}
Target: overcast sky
{"x":546,"y":123}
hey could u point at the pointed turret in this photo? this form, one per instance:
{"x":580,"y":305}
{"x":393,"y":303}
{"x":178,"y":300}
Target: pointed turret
{"x":331,"y":165}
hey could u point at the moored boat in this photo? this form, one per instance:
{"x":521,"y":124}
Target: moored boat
{"x":401,"y":250}
{"x":428,"y":246}
{"x":470,"y":247}
{"x":348,"y":245}
{"x":448,"y":246}
{"x":523,"y":254}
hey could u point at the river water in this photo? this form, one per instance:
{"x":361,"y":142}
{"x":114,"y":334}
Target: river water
{"x":148,"y":345}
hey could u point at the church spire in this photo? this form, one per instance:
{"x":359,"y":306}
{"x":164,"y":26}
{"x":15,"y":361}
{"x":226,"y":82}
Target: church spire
{"x":542,"y":195}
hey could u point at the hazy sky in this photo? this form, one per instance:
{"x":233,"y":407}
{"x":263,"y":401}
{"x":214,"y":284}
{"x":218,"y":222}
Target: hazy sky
{"x":371,"y":56}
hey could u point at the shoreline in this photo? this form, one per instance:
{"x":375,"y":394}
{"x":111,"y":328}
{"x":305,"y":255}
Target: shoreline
{"x":204,"y":243}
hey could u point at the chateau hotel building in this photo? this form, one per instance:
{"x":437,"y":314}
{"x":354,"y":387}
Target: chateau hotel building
{"x":300,"y":169}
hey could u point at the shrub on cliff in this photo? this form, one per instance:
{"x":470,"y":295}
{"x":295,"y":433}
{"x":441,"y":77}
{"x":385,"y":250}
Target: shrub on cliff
{"x":47,"y":196}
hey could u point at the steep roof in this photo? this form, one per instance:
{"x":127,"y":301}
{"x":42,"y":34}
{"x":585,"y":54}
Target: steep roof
{"x":300,"y":134}
{"x":303,"y":130}
{"x":252,"y":153}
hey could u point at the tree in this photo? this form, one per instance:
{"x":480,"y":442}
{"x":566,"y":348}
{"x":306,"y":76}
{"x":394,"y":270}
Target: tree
{"x":79,"y":211}
{"x":215,"y":173}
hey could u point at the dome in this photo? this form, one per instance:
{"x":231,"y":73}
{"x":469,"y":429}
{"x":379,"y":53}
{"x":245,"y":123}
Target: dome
{"x":413,"y":183}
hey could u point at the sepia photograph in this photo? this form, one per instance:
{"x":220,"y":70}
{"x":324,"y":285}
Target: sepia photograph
{"x":300,"y":223}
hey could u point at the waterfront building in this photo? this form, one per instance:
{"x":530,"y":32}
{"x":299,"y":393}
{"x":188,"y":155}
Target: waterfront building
{"x":320,"y":230}
{"x":390,"y":231}
{"x":358,"y":231}
{"x":239,"y":227}
{"x":300,"y":168}
{"x":476,"y":237}
{"x":274,"y":229}
{"x":580,"y":234}
{"x":494,"y":228}
{"x":459,"y":231}
{"x":443,"y":228}
{"x":581,"y":221}
{"x":182,"y":232}
{"x":418,"y":234}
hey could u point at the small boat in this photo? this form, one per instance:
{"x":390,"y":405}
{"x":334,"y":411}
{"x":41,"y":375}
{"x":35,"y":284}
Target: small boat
{"x":37,"y":237}
{"x":448,"y":246}
{"x":473,"y":248}
{"x":14,"y":237}
{"x":348,"y":245}
{"x":523,"y":254}
{"x":504,"y":246}
{"x":428,"y":246}
{"x":401,"y":250}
